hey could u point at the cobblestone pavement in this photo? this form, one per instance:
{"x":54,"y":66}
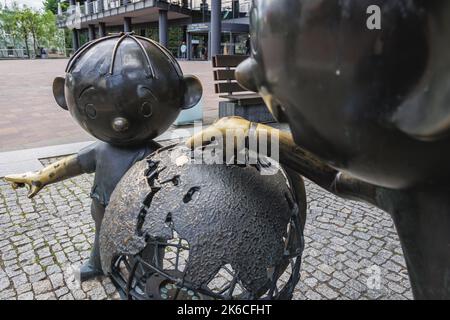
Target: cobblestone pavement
{"x":40,"y":239}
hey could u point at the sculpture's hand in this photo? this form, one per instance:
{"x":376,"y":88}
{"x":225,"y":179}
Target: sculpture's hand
{"x":33,"y":180}
{"x":230,"y":126}
{"x":63,"y":169}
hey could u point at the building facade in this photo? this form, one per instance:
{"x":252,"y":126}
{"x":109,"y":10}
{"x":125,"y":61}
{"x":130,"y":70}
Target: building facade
{"x":191,"y":29}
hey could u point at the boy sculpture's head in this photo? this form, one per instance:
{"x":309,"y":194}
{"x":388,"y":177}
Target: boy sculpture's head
{"x":371,"y":102}
{"x":125,"y":89}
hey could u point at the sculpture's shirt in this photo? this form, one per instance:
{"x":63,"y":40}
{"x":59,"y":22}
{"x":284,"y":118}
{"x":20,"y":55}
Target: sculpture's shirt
{"x":110,"y":163}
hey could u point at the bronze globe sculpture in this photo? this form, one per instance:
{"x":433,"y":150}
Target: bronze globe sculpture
{"x":176,"y":229}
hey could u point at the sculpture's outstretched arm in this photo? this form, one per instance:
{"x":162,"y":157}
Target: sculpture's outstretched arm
{"x":291,"y":156}
{"x":63,"y":169}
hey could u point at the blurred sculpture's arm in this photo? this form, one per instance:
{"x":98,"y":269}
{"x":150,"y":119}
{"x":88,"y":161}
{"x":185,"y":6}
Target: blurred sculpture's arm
{"x":291,"y":156}
{"x":63,"y":169}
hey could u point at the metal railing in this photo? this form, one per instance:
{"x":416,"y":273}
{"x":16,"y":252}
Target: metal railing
{"x":102,"y":5}
{"x":14,"y":53}
{"x":93,"y":7}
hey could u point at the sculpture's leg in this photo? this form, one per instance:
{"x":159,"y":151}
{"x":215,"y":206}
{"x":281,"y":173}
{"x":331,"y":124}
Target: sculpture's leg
{"x":423,"y":225}
{"x":93,"y":267}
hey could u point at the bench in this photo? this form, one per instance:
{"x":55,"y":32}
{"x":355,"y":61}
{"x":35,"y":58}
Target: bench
{"x":239,"y":101}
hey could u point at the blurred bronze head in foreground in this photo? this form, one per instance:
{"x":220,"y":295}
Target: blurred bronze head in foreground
{"x":373,"y":103}
{"x":368,"y":110}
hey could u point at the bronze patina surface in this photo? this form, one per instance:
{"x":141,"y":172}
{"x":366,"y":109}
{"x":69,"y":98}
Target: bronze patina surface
{"x":368,"y":110}
{"x":229,"y":215}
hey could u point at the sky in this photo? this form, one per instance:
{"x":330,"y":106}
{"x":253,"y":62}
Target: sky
{"x":36,"y":4}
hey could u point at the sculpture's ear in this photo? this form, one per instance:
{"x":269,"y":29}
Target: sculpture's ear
{"x":426,"y":115}
{"x":58,"y":92}
{"x":245,"y":74}
{"x":193,"y":91}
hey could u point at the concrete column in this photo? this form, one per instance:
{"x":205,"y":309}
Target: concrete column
{"x":233,"y":43}
{"x":101,"y":29}
{"x":100,"y":6}
{"x":75,"y":40}
{"x":216,"y":27}
{"x":127,"y":24}
{"x":88,"y":5}
{"x":163,"y":28}
{"x":204,"y":10}
{"x":235,"y":8}
{"x":189,"y":45}
{"x":91,"y":32}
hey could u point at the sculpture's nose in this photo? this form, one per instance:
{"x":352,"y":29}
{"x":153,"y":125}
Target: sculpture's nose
{"x":120,"y":124}
{"x":246,"y":74}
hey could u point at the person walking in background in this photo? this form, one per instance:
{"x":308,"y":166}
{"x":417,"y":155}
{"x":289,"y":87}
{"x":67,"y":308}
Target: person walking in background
{"x":183,"y":50}
{"x":203,"y":53}
{"x":247,"y":46}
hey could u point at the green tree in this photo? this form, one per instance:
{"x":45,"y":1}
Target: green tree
{"x":21,"y":21}
{"x":32,"y":19}
{"x":9,"y":32}
{"x":52,"y":5}
{"x":49,"y":35}
{"x":23,"y":26}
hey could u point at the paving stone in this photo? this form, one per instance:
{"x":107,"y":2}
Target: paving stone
{"x":68,"y":296}
{"x":33,"y":269}
{"x":37,"y":277}
{"x":312,"y":282}
{"x":43,"y":253}
{"x":46,"y":296}
{"x":327,"y":291}
{"x":8,"y":294}
{"x":57,"y":280}
{"x":396,"y":288}
{"x":61,"y":292}
{"x":325,"y":268}
{"x":4,"y":283}
{"x":26,"y":296}
{"x":98,"y":293}
{"x":23,"y":288}
{"x":42,"y":287}
{"x":19,"y":280}
{"x":312,"y":295}
{"x":79,"y":294}
{"x":336,"y":284}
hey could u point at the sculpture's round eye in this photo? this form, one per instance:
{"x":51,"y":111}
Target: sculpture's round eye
{"x":90,"y":111}
{"x":146,"y":109}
